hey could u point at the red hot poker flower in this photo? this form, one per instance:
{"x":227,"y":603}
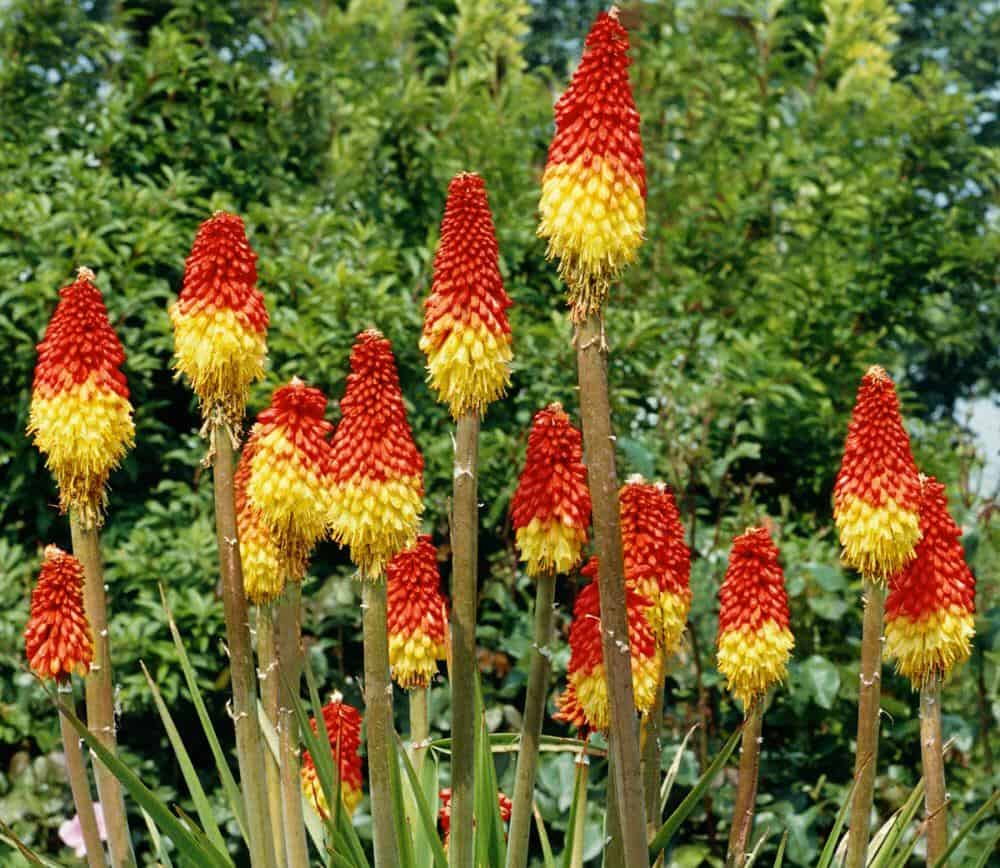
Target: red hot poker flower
{"x":444,"y":814}
{"x":378,"y":488}
{"x":466,"y":335}
{"x":343,"y":728}
{"x":593,"y":205}
{"x":80,"y":417}
{"x":551,"y":507}
{"x":417,"y":615}
{"x":876,"y":497}
{"x":57,"y":639}
{"x":755,"y":639}
{"x":930,"y":610}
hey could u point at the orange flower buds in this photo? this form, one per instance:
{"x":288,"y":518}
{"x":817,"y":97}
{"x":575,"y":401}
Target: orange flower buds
{"x":466,"y":335}
{"x":377,"y":492}
{"x":593,"y":205}
{"x":417,"y":615}
{"x":80,"y":416}
{"x":343,"y":728}
{"x":57,"y":639}
{"x":929,"y":612}
{"x":586,"y":672}
{"x":755,"y":640}
{"x":657,"y":560}
{"x":551,"y":507}
{"x":877,"y":493}
{"x":220,"y":322}
{"x":444,"y":814}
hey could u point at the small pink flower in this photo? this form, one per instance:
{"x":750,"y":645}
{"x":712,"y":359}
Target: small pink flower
{"x":71,"y":834}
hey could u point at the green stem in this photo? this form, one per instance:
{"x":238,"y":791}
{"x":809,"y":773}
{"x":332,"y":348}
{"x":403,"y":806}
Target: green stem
{"x":580,"y":800}
{"x":932,"y":754}
{"x":100,"y":691}
{"x":420,"y":727}
{"x":378,"y":722}
{"x":866,"y":755}
{"x":268,"y":676}
{"x":289,"y":640}
{"x":746,"y":791}
{"x":465,"y":556}
{"x":531,"y":726}
{"x":249,"y":745}
{"x":599,"y":456}
{"x":79,"y":784}
{"x":652,"y":749}
{"x":614,"y":854}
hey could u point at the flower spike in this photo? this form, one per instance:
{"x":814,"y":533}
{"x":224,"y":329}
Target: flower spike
{"x":929,"y":613}
{"x":343,"y":728}
{"x":593,"y":205}
{"x":80,"y":416}
{"x":220,"y":322}
{"x":877,"y":492}
{"x":466,"y":336}
{"x":551,"y":507}
{"x":444,"y":813}
{"x":755,"y":640}
{"x":417,"y":615}
{"x":378,"y":487}
{"x":57,"y":640}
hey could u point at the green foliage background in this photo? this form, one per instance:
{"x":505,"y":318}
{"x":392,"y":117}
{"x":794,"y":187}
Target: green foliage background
{"x":823,"y":182}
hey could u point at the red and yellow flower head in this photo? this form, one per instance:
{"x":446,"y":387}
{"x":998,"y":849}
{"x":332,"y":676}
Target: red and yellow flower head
{"x":377,"y":470}
{"x":417,"y":615}
{"x":466,"y":336}
{"x":586,"y":672}
{"x":57,"y":639}
{"x":444,"y":813}
{"x":657,"y":560}
{"x":570,"y":712}
{"x":220,"y":322}
{"x":593,"y":205}
{"x":876,"y":498}
{"x":551,"y":507}
{"x":755,"y":639}
{"x":930,"y":610}
{"x":343,"y":728}
{"x":80,"y":416}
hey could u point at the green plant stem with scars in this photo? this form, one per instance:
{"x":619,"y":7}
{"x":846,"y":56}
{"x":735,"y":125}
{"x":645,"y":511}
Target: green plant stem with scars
{"x":652,"y":748}
{"x":76,"y":770}
{"x":289,"y":641}
{"x":268,"y":676}
{"x":378,"y":721}
{"x":866,"y":755}
{"x":932,"y":755}
{"x":531,"y":726}
{"x":746,"y":788}
{"x":420,"y":727}
{"x":580,"y":800}
{"x":599,"y":456}
{"x":465,"y":555}
{"x":249,"y":743}
{"x":100,"y":691}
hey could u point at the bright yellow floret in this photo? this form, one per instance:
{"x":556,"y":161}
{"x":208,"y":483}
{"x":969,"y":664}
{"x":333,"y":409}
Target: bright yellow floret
{"x":753,"y":661}
{"x":878,"y":540}
{"x":931,"y":645}
{"x":468,"y":365}
{"x":414,"y":658}
{"x":550,"y":546}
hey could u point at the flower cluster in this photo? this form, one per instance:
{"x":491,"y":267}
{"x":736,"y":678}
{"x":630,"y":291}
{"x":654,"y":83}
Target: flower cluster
{"x":444,"y":814}
{"x":220,"y":322}
{"x":343,"y":728}
{"x":466,"y":335}
{"x":551,"y":506}
{"x":80,"y":416}
{"x":755,"y":640}
{"x":417,"y":615}
{"x":376,"y":498}
{"x":877,"y":492}
{"x":657,"y":560}
{"x":930,"y":609}
{"x":593,"y":205}
{"x":57,"y":639}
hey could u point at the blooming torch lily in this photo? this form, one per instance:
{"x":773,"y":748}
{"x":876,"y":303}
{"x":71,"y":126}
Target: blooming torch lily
{"x":754,"y":644}
{"x":343,"y":729}
{"x":876,"y":503}
{"x":929,"y":625}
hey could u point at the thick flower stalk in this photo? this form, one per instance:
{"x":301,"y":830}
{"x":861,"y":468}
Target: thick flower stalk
{"x":466,"y":336}
{"x":754,"y":644}
{"x":551,"y":506}
{"x":444,"y":812}
{"x":80,"y":416}
{"x":220,"y":322}
{"x":593,"y":204}
{"x":417,"y":615}
{"x":343,"y":728}
{"x":376,"y":497}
